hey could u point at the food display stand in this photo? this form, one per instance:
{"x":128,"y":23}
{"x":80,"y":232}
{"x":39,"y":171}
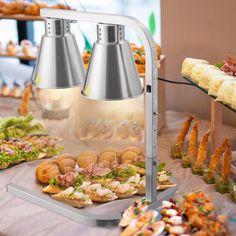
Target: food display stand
{"x":77,"y":184}
{"x":216,"y":117}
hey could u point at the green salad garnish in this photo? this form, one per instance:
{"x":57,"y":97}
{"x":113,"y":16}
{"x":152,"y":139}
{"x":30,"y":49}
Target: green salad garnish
{"x":53,"y":151}
{"x":130,"y":171}
{"x":54,"y":182}
{"x":19,"y":126}
{"x":79,"y":181}
{"x":18,"y":155}
{"x":110,"y":175}
{"x":161,"y":166}
{"x":141,"y":164}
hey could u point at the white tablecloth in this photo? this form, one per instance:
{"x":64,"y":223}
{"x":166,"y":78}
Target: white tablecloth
{"x":21,"y":218}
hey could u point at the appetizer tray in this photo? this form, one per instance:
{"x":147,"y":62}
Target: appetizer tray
{"x":205,"y":91}
{"x":95,"y":183}
{"x":192,"y":214}
{"x":95,"y":215}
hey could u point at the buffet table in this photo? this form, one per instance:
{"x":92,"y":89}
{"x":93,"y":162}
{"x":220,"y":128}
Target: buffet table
{"x":18,"y":217}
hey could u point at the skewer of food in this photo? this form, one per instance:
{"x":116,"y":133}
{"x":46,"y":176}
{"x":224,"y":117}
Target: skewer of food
{"x":222,"y":179}
{"x":191,"y":154}
{"x":214,"y":163}
{"x":198,"y":165}
{"x":177,"y":149}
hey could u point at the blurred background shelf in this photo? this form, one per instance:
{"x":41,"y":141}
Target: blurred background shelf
{"x":21,"y":57}
{"x":21,"y":17}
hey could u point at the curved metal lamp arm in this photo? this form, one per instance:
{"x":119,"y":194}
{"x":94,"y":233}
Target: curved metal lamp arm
{"x":151,"y":97}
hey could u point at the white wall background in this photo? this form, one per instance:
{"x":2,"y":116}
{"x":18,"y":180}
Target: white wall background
{"x":201,"y":29}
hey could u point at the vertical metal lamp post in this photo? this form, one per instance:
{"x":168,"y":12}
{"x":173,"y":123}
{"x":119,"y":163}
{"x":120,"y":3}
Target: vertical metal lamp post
{"x":57,"y":23}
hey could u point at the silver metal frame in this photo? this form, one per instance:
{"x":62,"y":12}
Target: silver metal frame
{"x":151,"y":101}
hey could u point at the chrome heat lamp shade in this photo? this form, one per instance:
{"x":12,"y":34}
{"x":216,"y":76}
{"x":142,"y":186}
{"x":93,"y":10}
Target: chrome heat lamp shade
{"x":112,"y":74}
{"x":59,"y":63}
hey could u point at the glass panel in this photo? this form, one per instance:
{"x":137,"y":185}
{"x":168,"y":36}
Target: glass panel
{"x":205,"y":91}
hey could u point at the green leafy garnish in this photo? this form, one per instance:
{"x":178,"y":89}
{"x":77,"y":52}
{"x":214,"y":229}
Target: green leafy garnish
{"x":19,"y":127}
{"x":110,"y":175}
{"x":79,"y":181}
{"x":219,"y":64}
{"x":54,"y":182}
{"x":140,"y":164}
{"x":53,"y":151}
{"x":130,"y":171}
{"x":136,"y":211}
{"x":161,"y":166}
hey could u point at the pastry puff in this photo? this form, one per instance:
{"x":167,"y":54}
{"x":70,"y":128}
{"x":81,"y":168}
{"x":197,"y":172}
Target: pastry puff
{"x":112,"y":149}
{"x":47,"y":170}
{"x":137,"y":150}
{"x":107,"y":158}
{"x":87,"y":158}
{"x":129,"y":154}
{"x":66,"y":163}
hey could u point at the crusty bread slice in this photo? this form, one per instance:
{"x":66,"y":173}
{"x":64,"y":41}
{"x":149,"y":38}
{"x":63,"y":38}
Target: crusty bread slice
{"x":72,"y":202}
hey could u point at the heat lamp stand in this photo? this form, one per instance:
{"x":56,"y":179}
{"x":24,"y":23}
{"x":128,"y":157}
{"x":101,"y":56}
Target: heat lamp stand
{"x":151,"y":112}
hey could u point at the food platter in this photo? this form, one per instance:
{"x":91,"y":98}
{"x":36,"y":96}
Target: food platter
{"x":103,"y":216}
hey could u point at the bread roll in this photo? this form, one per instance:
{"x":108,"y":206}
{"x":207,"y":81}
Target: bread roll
{"x":137,"y":150}
{"x":116,"y":150}
{"x":128,"y":157}
{"x":87,"y":158}
{"x":66,"y":163}
{"x":47,"y":170}
{"x":107,"y":158}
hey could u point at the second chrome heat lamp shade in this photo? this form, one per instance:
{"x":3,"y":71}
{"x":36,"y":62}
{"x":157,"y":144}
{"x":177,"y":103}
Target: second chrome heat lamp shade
{"x":59,"y":63}
{"x":112,"y":74}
